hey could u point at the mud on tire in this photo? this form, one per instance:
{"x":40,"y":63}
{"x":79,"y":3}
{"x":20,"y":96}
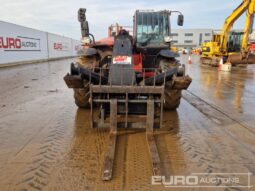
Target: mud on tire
{"x":172,"y":97}
{"x":81,"y":96}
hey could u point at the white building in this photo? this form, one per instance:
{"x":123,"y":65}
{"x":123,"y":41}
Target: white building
{"x":190,"y":38}
{"x":193,"y":38}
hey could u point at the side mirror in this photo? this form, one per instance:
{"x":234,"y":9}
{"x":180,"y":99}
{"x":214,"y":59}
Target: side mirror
{"x":180,"y":20}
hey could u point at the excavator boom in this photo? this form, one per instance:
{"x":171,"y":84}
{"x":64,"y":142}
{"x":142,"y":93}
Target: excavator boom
{"x":248,"y":26}
{"x":230,"y":22}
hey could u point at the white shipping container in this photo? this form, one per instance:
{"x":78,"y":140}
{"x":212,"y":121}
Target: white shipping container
{"x":59,"y":46}
{"x":19,"y":44}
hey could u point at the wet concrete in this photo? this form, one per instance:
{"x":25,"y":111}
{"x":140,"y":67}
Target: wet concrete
{"x":46,"y":143}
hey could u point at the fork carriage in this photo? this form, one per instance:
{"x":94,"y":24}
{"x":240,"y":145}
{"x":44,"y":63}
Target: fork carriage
{"x":117,"y":102}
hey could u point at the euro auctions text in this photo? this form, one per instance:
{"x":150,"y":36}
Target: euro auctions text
{"x":19,"y":43}
{"x":234,"y":180}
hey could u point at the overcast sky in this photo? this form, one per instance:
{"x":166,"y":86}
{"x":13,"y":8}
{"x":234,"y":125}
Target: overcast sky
{"x":60,"y":16}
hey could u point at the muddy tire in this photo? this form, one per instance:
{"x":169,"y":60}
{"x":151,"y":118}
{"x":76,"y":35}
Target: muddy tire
{"x":81,"y":96}
{"x":172,"y":97}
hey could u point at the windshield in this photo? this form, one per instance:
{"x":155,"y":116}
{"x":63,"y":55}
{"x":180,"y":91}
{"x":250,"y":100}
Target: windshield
{"x":152,"y":27}
{"x":235,"y":41}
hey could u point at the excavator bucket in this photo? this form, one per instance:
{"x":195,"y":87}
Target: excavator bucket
{"x":238,"y":59}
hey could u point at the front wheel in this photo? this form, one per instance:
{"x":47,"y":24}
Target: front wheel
{"x":81,"y":97}
{"x":172,"y":98}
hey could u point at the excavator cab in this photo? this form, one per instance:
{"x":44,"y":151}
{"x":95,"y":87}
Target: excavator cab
{"x":235,"y":42}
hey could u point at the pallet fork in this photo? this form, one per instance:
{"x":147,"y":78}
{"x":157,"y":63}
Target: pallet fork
{"x":107,"y":171}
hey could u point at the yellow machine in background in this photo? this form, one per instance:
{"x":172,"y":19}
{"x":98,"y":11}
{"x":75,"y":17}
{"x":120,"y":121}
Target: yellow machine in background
{"x":174,"y":49}
{"x":233,"y":47}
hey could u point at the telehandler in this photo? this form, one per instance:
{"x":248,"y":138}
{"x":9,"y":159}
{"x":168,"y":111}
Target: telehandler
{"x":129,"y":76}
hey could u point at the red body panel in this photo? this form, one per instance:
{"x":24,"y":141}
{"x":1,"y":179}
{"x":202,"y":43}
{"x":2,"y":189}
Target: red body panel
{"x":109,"y":41}
{"x":138,"y":58}
{"x":252,"y":47}
{"x":138,"y":62}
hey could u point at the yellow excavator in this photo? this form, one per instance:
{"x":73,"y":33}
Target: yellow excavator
{"x":232,"y":46}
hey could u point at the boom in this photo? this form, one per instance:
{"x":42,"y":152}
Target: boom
{"x":230,"y":22}
{"x":248,"y":25}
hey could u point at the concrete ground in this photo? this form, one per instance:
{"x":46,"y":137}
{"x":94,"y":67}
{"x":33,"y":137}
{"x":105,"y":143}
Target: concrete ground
{"x":46,"y":142}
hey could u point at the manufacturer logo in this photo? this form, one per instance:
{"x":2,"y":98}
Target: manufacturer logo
{"x":122,"y":60}
{"x":19,"y":43}
{"x":59,"y":46}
